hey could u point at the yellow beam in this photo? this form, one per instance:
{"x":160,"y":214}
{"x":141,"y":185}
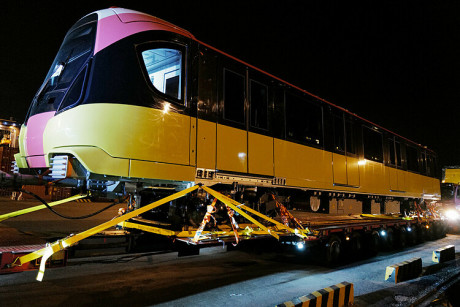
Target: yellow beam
{"x":300,"y":232}
{"x":226,"y":201}
{"x":36,"y":208}
{"x":66,"y":242}
{"x":156,"y":230}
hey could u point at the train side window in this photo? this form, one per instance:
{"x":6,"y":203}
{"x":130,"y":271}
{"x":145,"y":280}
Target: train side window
{"x":423,"y":160}
{"x":430,"y":165}
{"x":391,"y":148}
{"x":412,"y":158}
{"x":350,"y":136}
{"x":259,"y":105}
{"x":234,"y":93}
{"x":303,"y":121}
{"x":339,"y":133}
{"x":165,"y":69}
{"x":398,"y":154}
{"x":372,"y":142}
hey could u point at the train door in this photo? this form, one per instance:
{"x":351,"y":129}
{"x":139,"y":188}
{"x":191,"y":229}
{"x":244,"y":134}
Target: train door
{"x":344,"y":158}
{"x":397,"y":176}
{"x":351,"y":152}
{"x":163,"y":133}
{"x":260,"y":143}
{"x":392,"y":161}
{"x":206,"y":105}
{"x":232,"y":145}
{"x":339,"y":159}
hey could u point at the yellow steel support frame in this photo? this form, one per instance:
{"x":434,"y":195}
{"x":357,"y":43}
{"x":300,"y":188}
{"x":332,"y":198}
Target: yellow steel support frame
{"x":36,"y":208}
{"x":299,"y":232}
{"x":54,"y":247}
{"x":151,"y":229}
{"x":229,"y":203}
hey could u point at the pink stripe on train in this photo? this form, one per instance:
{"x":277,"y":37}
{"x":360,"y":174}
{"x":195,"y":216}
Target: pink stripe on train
{"x":116,"y":24}
{"x":34,"y":139}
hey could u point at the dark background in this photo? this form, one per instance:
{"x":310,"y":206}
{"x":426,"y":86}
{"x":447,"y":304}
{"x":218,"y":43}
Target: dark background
{"x":392,"y":62}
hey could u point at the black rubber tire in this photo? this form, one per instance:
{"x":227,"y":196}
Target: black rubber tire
{"x":429,"y":234}
{"x":421,"y":233}
{"x":388,"y":239}
{"x":439,"y":230}
{"x":374,"y":245}
{"x":356,"y":246}
{"x":333,"y":249}
{"x":401,"y":237}
{"x":412,"y":236}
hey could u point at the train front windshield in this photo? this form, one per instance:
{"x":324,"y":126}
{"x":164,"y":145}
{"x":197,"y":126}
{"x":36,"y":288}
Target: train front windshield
{"x":64,"y":81}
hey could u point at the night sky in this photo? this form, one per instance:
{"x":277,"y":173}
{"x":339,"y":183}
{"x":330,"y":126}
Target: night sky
{"x":395,"y":63}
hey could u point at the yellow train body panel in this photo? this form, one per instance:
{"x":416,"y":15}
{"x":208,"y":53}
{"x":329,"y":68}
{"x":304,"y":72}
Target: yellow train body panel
{"x":96,"y":160}
{"x":140,"y":142}
{"x":353,"y":171}
{"x":339,"y":164}
{"x":303,"y":166}
{"x":206,"y":144}
{"x":260,"y":154}
{"x":127,"y":141}
{"x":123,"y":131}
{"x":372,"y":175}
{"x":20,"y":156}
{"x":161,"y":171}
{"x":232,"y":149}
{"x":345,"y":170}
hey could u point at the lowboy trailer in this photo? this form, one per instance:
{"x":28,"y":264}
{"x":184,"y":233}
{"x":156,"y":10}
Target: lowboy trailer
{"x":333,"y":236}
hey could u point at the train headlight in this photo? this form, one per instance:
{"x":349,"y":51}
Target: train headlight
{"x":452,"y":215}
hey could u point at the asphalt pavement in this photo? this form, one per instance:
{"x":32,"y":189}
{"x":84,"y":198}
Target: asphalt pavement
{"x":215,"y":277}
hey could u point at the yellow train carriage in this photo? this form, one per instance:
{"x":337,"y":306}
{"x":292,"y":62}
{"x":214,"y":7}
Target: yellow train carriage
{"x":150,"y":105}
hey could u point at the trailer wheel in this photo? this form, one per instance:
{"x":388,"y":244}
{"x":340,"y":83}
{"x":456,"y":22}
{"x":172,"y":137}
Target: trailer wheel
{"x":444,"y":229}
{"x":356,"y":249}
{"x":333,"y":250}
{"x":429,"y":234}
{"x":438,"y":230}
{"x":401,"y":238}
{"x":374,"y":243}
{"x":421,"y":233}
{"x":412,"y":235}
{"x":388,"y":239}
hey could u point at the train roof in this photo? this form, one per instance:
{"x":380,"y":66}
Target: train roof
{"x":121,"y":22}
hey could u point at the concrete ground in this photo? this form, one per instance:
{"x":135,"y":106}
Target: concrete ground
{"x":39,"y":226}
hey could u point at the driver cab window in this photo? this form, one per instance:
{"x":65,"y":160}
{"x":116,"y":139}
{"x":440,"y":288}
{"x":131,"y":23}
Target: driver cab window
{"x":164,"y":68}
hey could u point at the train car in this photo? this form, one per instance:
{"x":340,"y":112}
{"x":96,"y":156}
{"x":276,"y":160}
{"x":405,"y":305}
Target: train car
{"x":450,"y":186}
{"x":133,"y":104}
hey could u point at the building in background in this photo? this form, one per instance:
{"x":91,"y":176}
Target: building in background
{"x":9,"y":143}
